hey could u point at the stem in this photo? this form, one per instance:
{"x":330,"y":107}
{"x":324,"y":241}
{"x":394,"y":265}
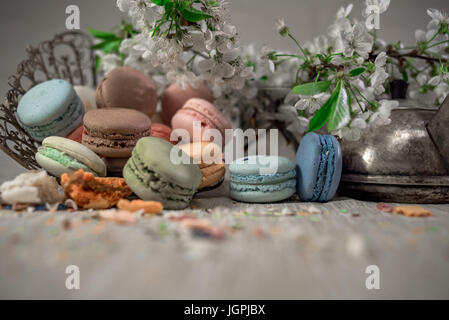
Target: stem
{"x":361,"y":94}
{"x":437,"y":43}
{"x":289,"y":55}
{"x":299,"y":46}
{"x":433,"y":38}
{"x":355,"y":96}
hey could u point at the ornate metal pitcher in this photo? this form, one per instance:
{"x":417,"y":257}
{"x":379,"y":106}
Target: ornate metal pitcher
{"x":406,"y":161}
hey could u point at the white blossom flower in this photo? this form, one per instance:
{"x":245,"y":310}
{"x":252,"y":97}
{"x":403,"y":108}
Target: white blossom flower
{"x":357,"y":40}
{"x":354,"y":131}
{"x":109,"y":61}
{"x":311,"y":104}
{"x":382,"y":116}
{"x":265,"y":59}
{"x":439,"y":18}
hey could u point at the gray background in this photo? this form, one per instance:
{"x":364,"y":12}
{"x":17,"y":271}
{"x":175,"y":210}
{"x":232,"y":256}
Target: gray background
{"x":25,"y":22}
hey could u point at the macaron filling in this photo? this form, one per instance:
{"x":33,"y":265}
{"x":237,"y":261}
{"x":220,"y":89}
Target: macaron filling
{"x":72,"y":115}
{"x":63,"y":159}
{"x":266,"y":187}
{"x":152,"y":180}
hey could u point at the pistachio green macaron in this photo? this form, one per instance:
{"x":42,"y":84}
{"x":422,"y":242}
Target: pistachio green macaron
{"x":153,"y":173}
{"x":59,"y":155}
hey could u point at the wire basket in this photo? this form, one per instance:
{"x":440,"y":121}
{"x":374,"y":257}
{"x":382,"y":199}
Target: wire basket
{"x":67,"y":56}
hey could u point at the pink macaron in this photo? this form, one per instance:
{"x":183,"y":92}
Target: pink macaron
{"x":205,"y":113}
{"x":174,"y":97}
{"x":160,"y":130}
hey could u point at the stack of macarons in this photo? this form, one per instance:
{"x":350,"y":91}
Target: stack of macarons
{"x":153,"y":175}
{"x":262,"y":179}
{"x":197,"y":117}
{"x":113,"y":132}
{"x":109,"y":132}
{"x":319,"y":163}
{"x":59,"y":155}
{"x":51,"y":108}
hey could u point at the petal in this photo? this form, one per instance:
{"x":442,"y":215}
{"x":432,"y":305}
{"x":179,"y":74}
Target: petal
{"x":206,"y":65}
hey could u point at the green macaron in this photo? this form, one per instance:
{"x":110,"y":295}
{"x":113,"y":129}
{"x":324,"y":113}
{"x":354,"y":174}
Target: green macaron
{"x":59,"y":155}
{"x":152,"y":175}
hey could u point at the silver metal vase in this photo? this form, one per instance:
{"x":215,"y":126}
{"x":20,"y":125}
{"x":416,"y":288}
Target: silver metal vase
{"x":406,"y":161}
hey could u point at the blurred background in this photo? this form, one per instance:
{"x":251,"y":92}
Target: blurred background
{"x":27,"y":22}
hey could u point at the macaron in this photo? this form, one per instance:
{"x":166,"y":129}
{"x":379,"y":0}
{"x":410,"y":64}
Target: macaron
{"x":209,"y":158}
{"x":59,"y":155}
{"x":113,"y":132}
{"x":152,"y":175}
{"x":262,"y":179}
{"x":160,"y":130}
{"x":126,"y":87}
{"x":87,"y":96}
{"x":51,"y":108}
{"x":115,"y":166}
{"x":319,"y":164}
{"x":77,"y":134}
{"x":201,"y":112}
{"x":174,"y":97}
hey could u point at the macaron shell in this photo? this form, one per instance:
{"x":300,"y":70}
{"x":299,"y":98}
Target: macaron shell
{"x":263,"y":193}
{"x":119,"y":121}
{"x":203,"y":111}
{"x":113,"y":132}
{"x":77,"y":134}
{"x":146,"y":193}
{"x":262,"y":179}
{"x":184,"y":175}
{"x":53,"y":167}
{"x":203,"y":153}
{"x":212,"y":175}
{"x":161,"y":131}
{"x":308,"y":159}
{"x":252,"y":165}
{"x":334,"y":169}
{"x":126,"y":87}
{"x":174,"y":97}
{"x":78,"y":152}
{"x":58,"y":114}
{"x":45,"y":101}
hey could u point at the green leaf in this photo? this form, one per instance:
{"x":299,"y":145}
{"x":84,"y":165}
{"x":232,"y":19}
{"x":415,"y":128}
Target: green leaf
{"x":340,"y":114}
{"x":312,"y":88}
{"x":159,"y":2}
{"x":405,"y":76}
{"x":102,"y":34}
{"x":108,"y":46}
{"x":97,"y":63}
{"x":194,"y":15}
{"x":322,"y":115}
{"x":356,"y":72}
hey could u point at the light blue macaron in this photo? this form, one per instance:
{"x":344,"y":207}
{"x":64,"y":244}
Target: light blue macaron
{"x":51,"y":108}
{"x":319,"y":165}
{"x":262,"y":179}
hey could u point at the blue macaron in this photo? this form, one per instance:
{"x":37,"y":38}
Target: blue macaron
{"x":262,"y":179}
{"x":51,"y":108}
{"x":319,"y":165}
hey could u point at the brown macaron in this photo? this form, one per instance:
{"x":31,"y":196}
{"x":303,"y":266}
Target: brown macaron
{"x":126,"y":87}
{"x":113,"y":132}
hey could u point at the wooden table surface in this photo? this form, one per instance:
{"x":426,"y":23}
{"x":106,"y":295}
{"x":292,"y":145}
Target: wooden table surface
{"x":267,"y":252}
